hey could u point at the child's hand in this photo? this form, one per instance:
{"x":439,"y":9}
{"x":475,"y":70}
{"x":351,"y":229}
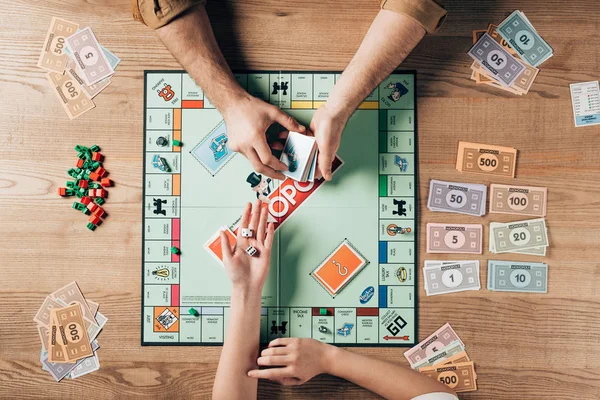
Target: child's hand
{"x":245,"y":271}
{"x":298,"y":360}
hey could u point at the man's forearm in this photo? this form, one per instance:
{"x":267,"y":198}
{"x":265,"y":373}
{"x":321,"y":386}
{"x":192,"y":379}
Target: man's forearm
{"x":388,"y":380}
{"x":240,"y":349}
{"x":391,"y":37}
{"x":191,"y":40}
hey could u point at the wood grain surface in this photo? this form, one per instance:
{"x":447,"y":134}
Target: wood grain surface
{"x":524,"y":346}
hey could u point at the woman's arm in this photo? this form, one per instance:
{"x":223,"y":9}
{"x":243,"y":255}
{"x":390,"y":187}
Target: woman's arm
{"x":298,"y":360}
{"x":248,"y":275}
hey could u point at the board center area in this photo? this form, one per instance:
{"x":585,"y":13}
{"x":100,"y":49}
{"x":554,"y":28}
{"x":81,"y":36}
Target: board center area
{"x":344,"y":255}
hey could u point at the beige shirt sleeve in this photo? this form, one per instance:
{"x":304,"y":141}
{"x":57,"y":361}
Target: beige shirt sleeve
{"x":427,"y":13}
{"x":157,"y":13}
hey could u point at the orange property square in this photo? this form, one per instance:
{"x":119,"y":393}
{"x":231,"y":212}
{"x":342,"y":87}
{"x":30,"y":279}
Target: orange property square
{"x":339,"y":268}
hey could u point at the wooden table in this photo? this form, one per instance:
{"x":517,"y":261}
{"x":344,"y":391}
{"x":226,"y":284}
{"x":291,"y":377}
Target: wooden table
{"x":525,"y":346}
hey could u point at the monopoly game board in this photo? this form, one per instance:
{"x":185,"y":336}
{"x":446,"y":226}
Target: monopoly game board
{"x":344,"y":255}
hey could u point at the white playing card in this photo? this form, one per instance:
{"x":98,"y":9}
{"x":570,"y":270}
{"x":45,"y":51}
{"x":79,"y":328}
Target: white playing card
{"x":313,"y":167}
{"x":298,"y":155}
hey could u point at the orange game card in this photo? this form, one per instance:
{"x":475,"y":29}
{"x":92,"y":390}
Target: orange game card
{"x":214,"y":243}
{"x":339,"y":268}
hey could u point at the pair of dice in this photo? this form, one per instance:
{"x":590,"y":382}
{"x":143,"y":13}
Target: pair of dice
{"x":247,"y":233}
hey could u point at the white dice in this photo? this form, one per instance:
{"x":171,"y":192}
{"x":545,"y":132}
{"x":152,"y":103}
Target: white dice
{"x":247,"y":232}
{"x":251,"y":251}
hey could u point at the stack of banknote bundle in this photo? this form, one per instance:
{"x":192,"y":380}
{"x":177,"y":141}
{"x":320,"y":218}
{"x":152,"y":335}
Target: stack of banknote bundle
{"x":443,"y":277}
{"x":78,"y":66}
{"x":515,"y":276}
{"x":68,"y":326}
{"x":460,"y":198}
{"x":505,"y":56}
{"x":442,"y":356}
{"x":521,"y":237}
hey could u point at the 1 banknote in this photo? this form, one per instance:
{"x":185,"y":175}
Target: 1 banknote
{"x":93,"y":329}
{"x":486,"y":159}
{"x":72,"y":97}
{"x":432,"y":344}
{"x":90,"y":58}
{"x":70,"y":294}
{"x":451,"y":277}
{"x":496,"y":60}
{"x":453,"y":348}
{"x":524,"y":39}
{"x":86,"y":366}
{"x":70,"y":334}
{"x":112,"y":58}
{"x":514,"y":276}
{"x":460,"y":377}
{"x":454,"y":238}
{"x":480,"y":75}
{"x":53,"y":57}
{"x":520,"y":200}
{"x":93,"y":306}
{"x":462,"y":198}
{"x":42,"y":317}
{"x":519,"y":235}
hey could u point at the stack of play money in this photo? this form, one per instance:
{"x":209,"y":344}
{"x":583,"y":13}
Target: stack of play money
{"x":522,"y":237}
{"x":518,"y":200}
{"x":442,"y":277}
{"x":442,"y":356}
{"x":68,"y":326}
{"x":514,"y":276}
{"x":461,"y":198}
{"x":454,"y":238}
{"x":79,"y":66}
{"x":506,"y":56}
{"x":486,"y":159}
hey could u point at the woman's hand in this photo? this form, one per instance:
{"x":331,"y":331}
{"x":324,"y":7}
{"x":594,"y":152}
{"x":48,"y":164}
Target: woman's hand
{"x":297,"y":360}
{"x":249,"y":272}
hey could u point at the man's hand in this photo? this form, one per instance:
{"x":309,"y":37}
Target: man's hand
{"x":298,"y":360}
{"x":327,"y":126}
{"x":248,"y":273}
{"x":247,"y":120}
